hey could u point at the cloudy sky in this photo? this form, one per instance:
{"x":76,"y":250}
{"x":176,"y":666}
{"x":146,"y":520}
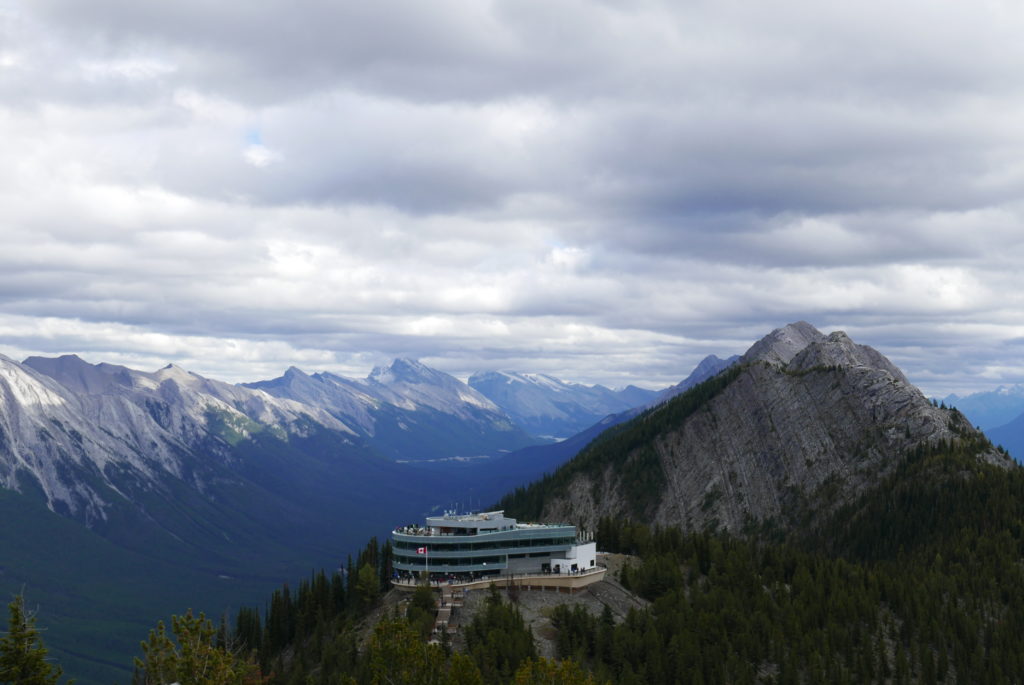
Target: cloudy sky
{"x":605,"y":191}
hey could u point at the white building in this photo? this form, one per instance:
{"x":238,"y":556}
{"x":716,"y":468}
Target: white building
{"x":489,"y":544}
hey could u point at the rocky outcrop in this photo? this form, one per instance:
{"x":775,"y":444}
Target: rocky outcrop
{"x":782,"y":344}
{"x":807,"y":415}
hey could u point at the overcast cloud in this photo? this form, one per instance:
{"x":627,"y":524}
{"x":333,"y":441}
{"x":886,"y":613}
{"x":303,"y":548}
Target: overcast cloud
{"x":602,"y":191}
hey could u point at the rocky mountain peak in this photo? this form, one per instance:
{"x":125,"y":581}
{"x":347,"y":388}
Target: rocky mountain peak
{"x":708,"y":367}
{"x":837,"y":349}
{"x":782,"y":344}
{"x":712,"y":361}
{"x":823,"y":420}
{"x":407,"y":366}
{"x":481,"y":377}
{"x":293,"y":373}
{"x":400,"y":369}
{"x":173,"y":371}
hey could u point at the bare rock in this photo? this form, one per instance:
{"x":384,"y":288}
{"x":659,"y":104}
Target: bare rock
{"x":807,"y":414}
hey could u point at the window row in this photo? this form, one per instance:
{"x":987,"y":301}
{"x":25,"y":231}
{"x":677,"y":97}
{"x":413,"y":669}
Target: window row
{"x":440,"y":564}
{"x":472,"y":547}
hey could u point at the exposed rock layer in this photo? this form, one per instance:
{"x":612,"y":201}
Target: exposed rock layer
{"x":807,"y":410}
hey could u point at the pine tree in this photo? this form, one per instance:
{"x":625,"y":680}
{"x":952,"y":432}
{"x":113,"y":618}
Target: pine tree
{"x":367,"y":587}
{"x":22,"y":654}
{"x":543,"y":671}
{"x":192,"y":657}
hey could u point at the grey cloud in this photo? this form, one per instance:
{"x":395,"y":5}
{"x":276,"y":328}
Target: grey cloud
{"x":278,"y":50}
{"x":795,"y":111}
{"x":342,"y":182}
{"x":460,"y":51}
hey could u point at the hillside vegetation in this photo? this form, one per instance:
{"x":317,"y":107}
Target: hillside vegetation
{"x":918,"y":581}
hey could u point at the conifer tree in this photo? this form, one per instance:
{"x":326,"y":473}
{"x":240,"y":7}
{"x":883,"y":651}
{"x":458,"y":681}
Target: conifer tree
{"x":367,"y":586}
{"x":192,"y":657}
{"x":22,"y":654}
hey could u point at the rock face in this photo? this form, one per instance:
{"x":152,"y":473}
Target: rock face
{"x":782,"y":344}
{"x":82,"y":433}
{"x":804,"y":412}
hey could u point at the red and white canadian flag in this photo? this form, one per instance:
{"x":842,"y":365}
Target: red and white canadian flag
{"x":421,"y":550}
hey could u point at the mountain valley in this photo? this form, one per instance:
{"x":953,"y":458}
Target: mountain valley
{"x":166,"y":479}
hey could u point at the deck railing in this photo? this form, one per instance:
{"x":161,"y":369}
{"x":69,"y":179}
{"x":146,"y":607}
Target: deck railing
{"x":500,"y":579}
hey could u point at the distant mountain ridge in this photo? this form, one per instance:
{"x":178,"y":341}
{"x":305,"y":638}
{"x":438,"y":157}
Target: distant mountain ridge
{"x":175,"y":476}
{"x":801,"y":414}
{"x":547,"y":406}
{"x":1010,"y":436}
{"x":999,"y":413}
{"x":71,"y":417}
{"x":990,"y":409}
{"x":406,"y":410}
{"x":708,"y":367}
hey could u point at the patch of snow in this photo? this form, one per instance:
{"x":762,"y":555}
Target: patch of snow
{"x":26,"y":390}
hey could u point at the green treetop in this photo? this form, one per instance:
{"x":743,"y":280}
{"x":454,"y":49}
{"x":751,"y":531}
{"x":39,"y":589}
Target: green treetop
{"x":22,"y":654}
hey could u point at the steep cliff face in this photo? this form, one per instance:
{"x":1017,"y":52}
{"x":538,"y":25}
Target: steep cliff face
{"x":804,"y":417}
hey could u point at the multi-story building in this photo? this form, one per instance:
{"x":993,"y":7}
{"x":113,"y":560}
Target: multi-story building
{"x":468,"y":546}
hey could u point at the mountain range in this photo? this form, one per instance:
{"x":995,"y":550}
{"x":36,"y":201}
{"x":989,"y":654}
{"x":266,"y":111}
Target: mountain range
{"x":92,"y":439}
{"x":991,"y":408}
{"x":547,"y":406}
{"x":180,"y":489}
{"x":999,"y":413}
{"x":406,"y":411}
{"x":189,"y":489}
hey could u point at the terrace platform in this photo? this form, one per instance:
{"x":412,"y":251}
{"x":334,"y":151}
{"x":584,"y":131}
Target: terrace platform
{"x":552,"y":582}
